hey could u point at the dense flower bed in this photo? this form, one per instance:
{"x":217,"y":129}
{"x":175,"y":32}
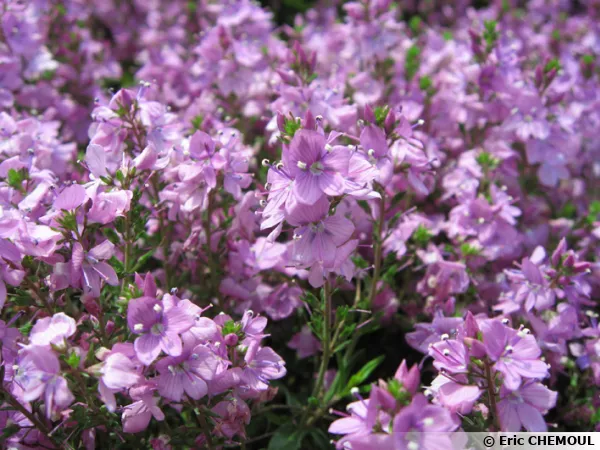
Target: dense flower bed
{"x":217,"y":232}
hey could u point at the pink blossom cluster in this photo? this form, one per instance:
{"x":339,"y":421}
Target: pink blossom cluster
{"x":191,"y":193}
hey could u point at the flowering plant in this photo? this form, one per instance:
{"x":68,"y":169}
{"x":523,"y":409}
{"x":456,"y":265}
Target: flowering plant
{"x":217,"y":232}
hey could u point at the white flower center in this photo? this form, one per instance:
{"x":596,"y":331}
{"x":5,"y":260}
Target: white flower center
{"x":316,"y":168}
{"x":157,"y":329}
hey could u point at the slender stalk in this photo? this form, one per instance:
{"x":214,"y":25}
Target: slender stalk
{"x":491,"y":388}
{"x":378,"y":248}
{"x":12,"y":401}
{"x":326,"y":342}
{"x":205,"y":429}
{"x":214,"y":276}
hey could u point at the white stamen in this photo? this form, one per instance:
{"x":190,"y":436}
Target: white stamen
{"x":138,"y":327}
{"x":157,"y":308}
{"x":301,"y":165}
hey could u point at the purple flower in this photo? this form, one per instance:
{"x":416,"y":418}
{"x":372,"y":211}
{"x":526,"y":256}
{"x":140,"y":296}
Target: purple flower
{"x":525,"y":407}
{"x":318,"y":235}
{"x":89,"y":268}
{"x":422,"y":425}
{"x":136,"y":416}
{"x":458,"y":396}
{"x":516,"y":353}
{"x":305,"y":343}
{"x":71,"y":198}
{"x":159,"y":326}
{"x":317,"y":167}
{"x":262,"y":365}
{"x":53,"y":330}
{"x":186,"y":373}
{"x":38,"y":374}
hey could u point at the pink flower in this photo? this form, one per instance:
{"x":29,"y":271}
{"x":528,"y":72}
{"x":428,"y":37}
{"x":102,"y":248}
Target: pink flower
{"x":317,"y":170}
{"x":136,"y":416}
{"x":89,"y":268}
{"x":262,"y":365}
{"x":71,"y":198}
{"x":516,"y":353}
{"x":38,"y":374}
{"x":159,"y":326}
{"x":186,"y":373}
{"x":53,"y":330}
{"x":234,"y":414}
{"x":318,"y":235}
{"x":305,"y":343}
{"x":525,"y":407}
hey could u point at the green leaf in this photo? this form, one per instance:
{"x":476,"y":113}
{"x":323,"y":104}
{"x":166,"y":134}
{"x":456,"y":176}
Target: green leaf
{"x":231,"y":327}
{"x":364,"y":373}
{"x":111,"y":235}
{"x":422,"y":235}
{"x":412,"y":62}
{"x":15,"y":178}
{"x":117,"y":265}
{"x":469,"y":250}
{"x":593,"y":213}
{"x":553,"y":64}
{"x":25,"y":329}
{"x":595,"y":417}
{"x":73,"y":360}
{"x":291,"y":126}
{"x":381,"y":113}
{"x":197,"y":122}
{"x":490,"y":34}
{"x":287,"y":437}
{"x":415,"y":24}
{"x":425,"y":83}
{"x":143,"y":260}
{"x":487,"y":161}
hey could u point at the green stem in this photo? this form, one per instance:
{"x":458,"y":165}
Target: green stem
{"x":491,"y":388}
{"x":378,"y":248}
{"x":326,"y":342}
{"x":214,"y":276}
{"x":205,"y":429}
{"x":12,"y":401}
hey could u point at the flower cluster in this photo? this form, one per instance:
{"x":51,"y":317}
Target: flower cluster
{"x":192,"y":193}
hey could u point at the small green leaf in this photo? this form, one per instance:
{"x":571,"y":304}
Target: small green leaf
{"x":422,"y":235}
{"x":470,"y":250}
{"x":412,"y":62}
{"x":553,"y":64}
{"x":15,"y":178}
{"x":287,"y":437}
{"x":25,"y":329}
{"x":364,"y":373}
{"x":73,"y":360}
{"x":415,"y":24}
{"x":425,"y":83}
{"x":197,"y":122}
{"x":291,"y":126}
{"x":143,"y":260}
{"x":381,"y":113}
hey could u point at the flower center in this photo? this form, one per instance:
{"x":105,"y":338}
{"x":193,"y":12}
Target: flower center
{"x":317,"y":227}
{"x":157,"y":329}
{"x":316,"y":168}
